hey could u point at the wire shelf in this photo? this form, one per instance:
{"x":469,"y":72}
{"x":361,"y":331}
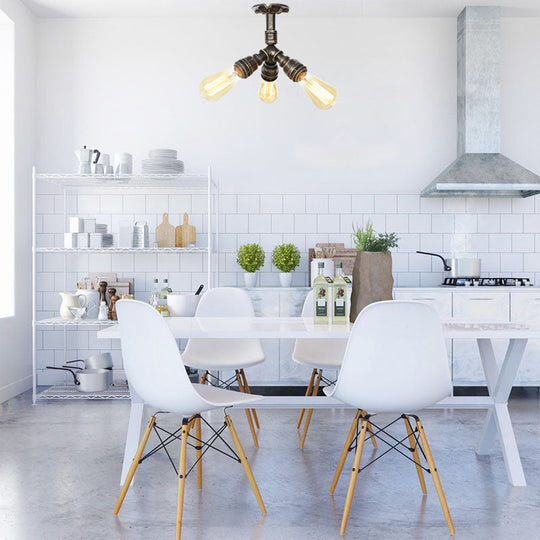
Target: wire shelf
{"x":187,"y":182}
{"x":121,"y":250}
{"x":69,"y":391}
{"x":58,"y":321}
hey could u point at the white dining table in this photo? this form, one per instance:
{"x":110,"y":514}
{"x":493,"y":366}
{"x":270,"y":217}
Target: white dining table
{"x":499,"y":376}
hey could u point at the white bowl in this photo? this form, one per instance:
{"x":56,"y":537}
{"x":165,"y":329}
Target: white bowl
{"x":182,"y":304}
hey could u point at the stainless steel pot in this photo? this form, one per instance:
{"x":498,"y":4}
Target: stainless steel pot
{"x":96,"y":361}
{"x":89,"y":380}
{"x":458,"y":267}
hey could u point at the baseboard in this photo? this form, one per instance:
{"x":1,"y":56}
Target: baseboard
{"x":15,"y":388}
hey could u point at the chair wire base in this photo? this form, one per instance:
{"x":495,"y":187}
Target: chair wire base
{"x":199,"y":443}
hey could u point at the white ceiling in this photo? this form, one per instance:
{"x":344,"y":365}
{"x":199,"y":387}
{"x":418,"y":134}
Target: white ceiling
{"x":301,"y":8}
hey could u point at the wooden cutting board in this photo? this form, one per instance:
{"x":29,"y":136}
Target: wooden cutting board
{"x":185,"y":233}
{"x":165,"y":233}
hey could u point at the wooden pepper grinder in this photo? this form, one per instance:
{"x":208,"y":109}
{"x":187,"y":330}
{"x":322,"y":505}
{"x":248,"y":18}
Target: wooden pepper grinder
{"x":112,"y":304}
{"x":103,"y":292}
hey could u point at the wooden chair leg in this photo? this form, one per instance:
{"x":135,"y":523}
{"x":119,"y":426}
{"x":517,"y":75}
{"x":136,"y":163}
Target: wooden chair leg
{"x":435,"y":476}
{"x":344,"y":452}
{"x":248,"y":412}
{"x":245,"y":464}
{"x":308,"y":392}
{"x":416,"y":456}
{"x":204,"y":376}
{"x":354,"y":476}
{"x":134,"y":464}
{"x":370,"y":429}
{"x":310,"y":411}
{"x":248,"y":391}
{"x":198,"y":451}
{"x":181,"y":478}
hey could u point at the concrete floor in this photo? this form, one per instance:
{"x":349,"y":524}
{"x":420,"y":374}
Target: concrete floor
{"x":60,"y":468}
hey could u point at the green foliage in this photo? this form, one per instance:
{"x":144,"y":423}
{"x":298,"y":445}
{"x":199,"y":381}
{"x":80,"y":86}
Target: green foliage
{"x":286,"y":257}
{"x":250,"y":257}
{"x":366,"y":239}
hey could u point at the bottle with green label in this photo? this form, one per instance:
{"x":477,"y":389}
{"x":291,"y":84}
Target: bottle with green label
{"x":320,"y":294}
{"x":339,"y":296}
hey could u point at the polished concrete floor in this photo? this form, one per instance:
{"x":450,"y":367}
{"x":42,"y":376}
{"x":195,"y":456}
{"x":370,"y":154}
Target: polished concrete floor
{"x":60,"y":467}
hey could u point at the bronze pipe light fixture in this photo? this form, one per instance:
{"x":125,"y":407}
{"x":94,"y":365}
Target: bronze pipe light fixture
{"x":217,"y":85}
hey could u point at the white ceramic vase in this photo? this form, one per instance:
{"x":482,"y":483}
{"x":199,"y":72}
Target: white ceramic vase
{"x":250,"y":279}
{"x":285,"y":278}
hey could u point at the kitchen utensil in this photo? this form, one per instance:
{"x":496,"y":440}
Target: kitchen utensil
{"x":165,"y":233}
{"x":89,"y":380}
{"x":182,"y":304}
{"x":140,"y":235}
{"x":185,"y":233}
{"x":70,"y":300}
{"x":96,"y":361}
{"x":198,"y":291}
{"x":84,"y":155}
{"x":458,"y":267}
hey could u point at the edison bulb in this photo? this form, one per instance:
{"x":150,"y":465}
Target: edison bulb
{"x":217,"y":85}
{"x":321,"y":93}
{"x":268,"y":91}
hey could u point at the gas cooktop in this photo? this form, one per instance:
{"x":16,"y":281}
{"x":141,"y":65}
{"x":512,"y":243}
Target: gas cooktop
{"x":487,"y":282}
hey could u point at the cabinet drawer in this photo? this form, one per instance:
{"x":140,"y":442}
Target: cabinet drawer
{"x":440,"y":302}
{"x":481,"y":305}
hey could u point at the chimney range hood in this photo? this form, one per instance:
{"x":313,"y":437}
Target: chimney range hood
{"x":481,"y":170}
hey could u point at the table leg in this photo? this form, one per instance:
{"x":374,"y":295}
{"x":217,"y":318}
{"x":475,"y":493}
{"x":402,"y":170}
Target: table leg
{"x":499,"y":417}
{"x":133,"y":432}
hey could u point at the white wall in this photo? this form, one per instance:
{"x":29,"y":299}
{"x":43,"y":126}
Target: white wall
{"x":16,"y":332}
{"x":128,"y":84}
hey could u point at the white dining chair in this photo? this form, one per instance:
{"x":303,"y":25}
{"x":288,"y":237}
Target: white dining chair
{"x":155,"y":370}
{"x":395,"y":362}
{"x":320,"y":355}
{"x":220,"y":355}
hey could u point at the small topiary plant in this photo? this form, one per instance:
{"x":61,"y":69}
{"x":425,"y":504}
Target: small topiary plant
{"x":250,"y":257}
{"x":286,"y":257}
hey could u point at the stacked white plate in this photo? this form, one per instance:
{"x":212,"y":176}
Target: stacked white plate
{"x":162,"y":161}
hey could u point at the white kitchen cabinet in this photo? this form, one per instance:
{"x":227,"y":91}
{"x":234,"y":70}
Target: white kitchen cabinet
{"x":525,"y":309}
{"x":476,"y":305}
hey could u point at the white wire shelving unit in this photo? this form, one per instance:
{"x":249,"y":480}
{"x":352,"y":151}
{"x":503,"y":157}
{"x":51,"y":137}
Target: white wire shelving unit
{"x":69,"y":183}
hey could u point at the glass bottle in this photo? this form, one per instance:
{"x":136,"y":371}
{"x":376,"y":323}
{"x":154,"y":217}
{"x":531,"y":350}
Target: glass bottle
{"x":154,"y":294}
{"x":162,"y":305}
{"x":320,"y":295}
{"x":339,"y":296}
{"x":165,"y":290}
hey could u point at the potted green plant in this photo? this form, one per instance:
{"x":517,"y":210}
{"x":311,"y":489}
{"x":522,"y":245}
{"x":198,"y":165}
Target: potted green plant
{"x":372,"y":273}
{"x":250,"y":258}
{"x":286,"y":257}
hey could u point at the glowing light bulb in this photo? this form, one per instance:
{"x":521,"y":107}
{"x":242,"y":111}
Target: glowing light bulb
{"x":217,"y":85}
{"x":268,"y":91}
{"x":321,"y":93}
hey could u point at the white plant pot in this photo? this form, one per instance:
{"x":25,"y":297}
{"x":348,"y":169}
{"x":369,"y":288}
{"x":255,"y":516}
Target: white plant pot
{"x":285,"y":278}
{"x":250,"y":279}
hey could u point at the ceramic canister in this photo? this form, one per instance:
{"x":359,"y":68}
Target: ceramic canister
{"x":92,"y":302}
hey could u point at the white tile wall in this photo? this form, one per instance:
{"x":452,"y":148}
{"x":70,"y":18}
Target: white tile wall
{"x":505,"y":233}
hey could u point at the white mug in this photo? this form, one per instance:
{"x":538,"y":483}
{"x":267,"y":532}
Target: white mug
{"x":123,"y":163}
{"x":99,"y":169}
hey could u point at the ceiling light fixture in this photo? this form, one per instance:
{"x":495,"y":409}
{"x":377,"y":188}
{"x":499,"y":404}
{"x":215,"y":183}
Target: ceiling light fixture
{"x":215,"y":86}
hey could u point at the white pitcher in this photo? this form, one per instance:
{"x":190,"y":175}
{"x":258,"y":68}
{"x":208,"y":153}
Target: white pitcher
{"x":70,"y":300}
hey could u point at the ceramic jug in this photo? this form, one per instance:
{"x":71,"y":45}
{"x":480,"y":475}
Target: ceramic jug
{"x":70,"y":300}
{"x":92,"y":301}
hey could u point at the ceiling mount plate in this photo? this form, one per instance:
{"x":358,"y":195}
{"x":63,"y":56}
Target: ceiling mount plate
{"x":273,"y":9}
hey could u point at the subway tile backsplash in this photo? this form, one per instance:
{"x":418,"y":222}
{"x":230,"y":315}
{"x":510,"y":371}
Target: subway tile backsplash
{"x":505,"y":233}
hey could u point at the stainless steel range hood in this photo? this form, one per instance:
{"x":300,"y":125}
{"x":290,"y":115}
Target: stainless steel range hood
{"x":481,"y":170}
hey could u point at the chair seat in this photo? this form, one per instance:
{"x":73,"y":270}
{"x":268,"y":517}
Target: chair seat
{"x":223,"y":353}
{"x":320,"y":353}
{"x":219,"y":397}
